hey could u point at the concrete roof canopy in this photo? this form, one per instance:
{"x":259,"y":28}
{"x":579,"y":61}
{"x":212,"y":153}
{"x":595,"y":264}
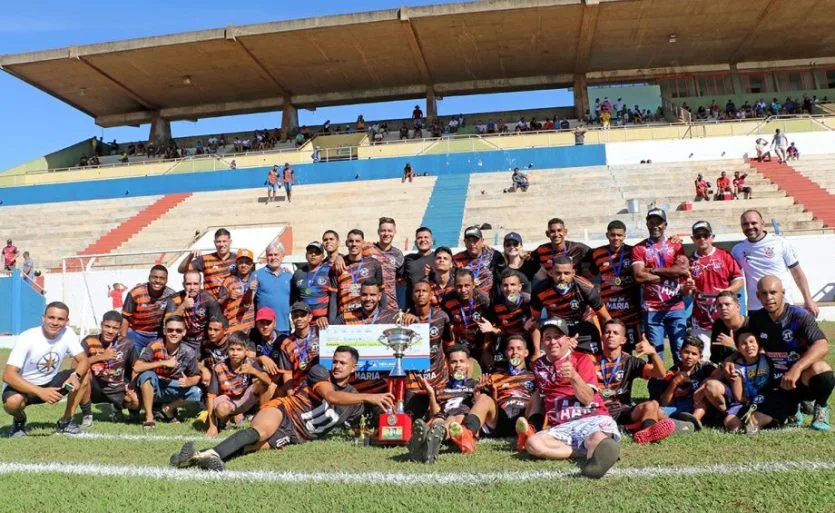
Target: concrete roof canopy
{"x":489,"y":46}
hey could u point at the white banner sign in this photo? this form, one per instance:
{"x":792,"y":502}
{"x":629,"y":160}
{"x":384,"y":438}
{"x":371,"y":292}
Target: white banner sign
{"x":374,"y":356}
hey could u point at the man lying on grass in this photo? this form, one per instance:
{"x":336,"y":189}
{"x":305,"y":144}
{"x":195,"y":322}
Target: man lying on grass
{"x":325,"y":401}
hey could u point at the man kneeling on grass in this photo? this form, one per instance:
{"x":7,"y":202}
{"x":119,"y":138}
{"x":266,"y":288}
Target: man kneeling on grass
{"x":168,"y":373}
{"x":325,"y":401}
{"x":580,"y":424}
{"x":235,"y":384}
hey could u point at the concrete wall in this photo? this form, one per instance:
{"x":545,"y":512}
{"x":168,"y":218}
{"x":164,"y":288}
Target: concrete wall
{"x":21,"y":306}
{"x":371,"y":169}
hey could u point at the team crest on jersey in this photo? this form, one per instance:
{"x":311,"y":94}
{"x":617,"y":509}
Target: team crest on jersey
{"x":48,"y":362}
{"x":364,"y":272}
{"x":392,"y":261}
{"x":476,"y":316}
{"x":530,"y":385}
{"x":433,"y":331}
{"x":769,"y":252}
{"x":788,"y":336}
{"x":321,"y":281}
{"x":575,"y":304}
{"x":201,"y":312}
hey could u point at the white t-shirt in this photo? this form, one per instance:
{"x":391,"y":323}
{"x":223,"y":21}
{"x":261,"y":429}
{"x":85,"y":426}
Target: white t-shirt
{"x":770,"y":255}
{"x":39,"y":358}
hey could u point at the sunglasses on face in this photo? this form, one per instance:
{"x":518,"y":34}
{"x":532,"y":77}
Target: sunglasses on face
{"x":511,"y":244}
{"x":701,"y":236}
{"x":175,"y":330}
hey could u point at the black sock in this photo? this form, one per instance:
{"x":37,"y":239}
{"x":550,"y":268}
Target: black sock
{"x":87,"y":409}
{"x":647,"y":423}
{"x":19,"y":416}
{"x":537,"y":420}
{"x":820,"y":387}
{"x":472,"y":423}
{"x":227,"y":448}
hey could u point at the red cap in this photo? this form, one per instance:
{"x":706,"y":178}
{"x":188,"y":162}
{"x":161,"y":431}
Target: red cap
{"x":265,"y":313}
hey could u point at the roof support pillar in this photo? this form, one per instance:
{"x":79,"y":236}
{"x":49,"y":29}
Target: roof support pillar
{"x":289,"y":119}
{"x":431,"y":105}
{"x":581,"y":95}
{"x":160,"y":131}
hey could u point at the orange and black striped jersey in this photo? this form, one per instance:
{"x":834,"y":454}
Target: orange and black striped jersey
{"x":369,"y":382}
{"x":391,"y":263}
{"x":576,"y":251}
{"x":298,"y":354}
{"x":618,"y":289}
{"x":440,"y":337}
{"x":186,"y":360}
{"x":510,"y":317}
{"x":117,"y":370}
{"x":228,"y":382}
{"x":579,"y":302}
{"x":513,"y":391}
{"x":484,"y":267}
{"x":616,"y":376}
{"x":144,"y":313}
{"x":212,"y":354}
{"x":197,"y":317}
{"x":311,"y":415}
{"x":439,"y":292}
{"x":464,"y":316}
{"x":347,"y":285}
{"x":240,"y":312}
{"x":214,"y":270}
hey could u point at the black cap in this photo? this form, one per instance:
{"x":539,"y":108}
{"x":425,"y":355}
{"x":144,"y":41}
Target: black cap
{"x":702,"y":225}
{"x":315,"y":245}
{"x":473,"y":231}
{"x":657,"y":212}
{"x":300,"y":306}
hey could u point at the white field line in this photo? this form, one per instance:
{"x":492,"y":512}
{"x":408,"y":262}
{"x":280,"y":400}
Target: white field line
{"x":396,"y":478}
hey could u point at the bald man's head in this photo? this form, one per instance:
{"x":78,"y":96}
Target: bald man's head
{"x":770,"y":293}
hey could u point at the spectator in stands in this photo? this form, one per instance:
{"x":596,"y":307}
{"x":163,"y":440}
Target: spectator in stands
{"x":565,"y":125}
{"x":775,"y":107}
{"x":453,"y":125}
{"x":404,"y":131}
{"x":299,"y":139}
{"x":521,"y":125}
{"x":317,"y":154}
{"x":124,"y":158}
{"x":723,"y":187}
{"x":272,"y":184}
{"x":730,"y":107}
{"x":9,"y":256}
{"x":739,"y":185}
{"x":417,"y":114}
{"x":519,"y":181}
{"x":780,"y":143}
{"x":597,"y":110}
{"x":549,"y":124}
{"x":605,"y":119}
{"x":762,"y":150}
{"x":360,"y":123}
{"x":580,"y":134}
{"x":28,"y":269}
{"x":792,"y":153}
{"x":703,"y":191}
{"x":82,"y":162}
{"x":491,"y":127}
{"x":407,"y":173}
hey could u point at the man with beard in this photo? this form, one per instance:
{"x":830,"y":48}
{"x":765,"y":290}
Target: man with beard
{"x":196,"y":306}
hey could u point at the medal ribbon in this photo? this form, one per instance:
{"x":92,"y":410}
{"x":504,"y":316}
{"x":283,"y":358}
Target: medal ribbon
{"x":659,"y":254}
{"x":616,"y":269}
{"x":613,"y":371}
{"x":355,"y":275}
{"x":469,"y":311}
{"x":304,"y":349}
{"x":311,"y":280}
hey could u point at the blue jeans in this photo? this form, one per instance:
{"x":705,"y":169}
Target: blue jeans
{"x":169,"y":390}
{"x":141,"y":339}
{"x":685,"y":404}
{"x":672,"y":323}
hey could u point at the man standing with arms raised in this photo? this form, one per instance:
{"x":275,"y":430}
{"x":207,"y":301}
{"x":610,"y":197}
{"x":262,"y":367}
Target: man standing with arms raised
{"x":216,"y":266}
{"x":764,"y":253}
{"x":660,"y":266}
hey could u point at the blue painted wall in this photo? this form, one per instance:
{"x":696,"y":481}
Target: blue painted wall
{"x":323,"y":172}
{"x":21,"y":306}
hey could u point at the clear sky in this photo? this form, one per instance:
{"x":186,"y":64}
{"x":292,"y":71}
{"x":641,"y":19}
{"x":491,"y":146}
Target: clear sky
{"x":35,"y":123}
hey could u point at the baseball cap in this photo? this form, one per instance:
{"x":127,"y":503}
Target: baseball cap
{"x":300,"y":306}
{"x":513,"y":236}
{"x":657,"y":212}
{"x":315,"y":245}
{"x":473,"y":231}
{"x":702,"y":225}
{"x":245,"y":253}
{"x":557,"y":322}
{"x":265,"y":314}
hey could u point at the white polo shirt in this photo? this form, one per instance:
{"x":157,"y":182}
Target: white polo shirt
{"x":770,"y":255}
{"x":39,"y":358}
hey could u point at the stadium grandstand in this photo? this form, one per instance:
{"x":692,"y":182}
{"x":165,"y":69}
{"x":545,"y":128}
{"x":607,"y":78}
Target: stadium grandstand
{"x":701,"y":156}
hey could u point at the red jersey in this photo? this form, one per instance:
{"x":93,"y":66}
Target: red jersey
{"x":664,"y":295}
{"x":391,"y":262}
{"x":723,"y":183}
{"x":712,"y":273}
{"x":561,"y":405}
{"x":116,"y":299}
{"x":618,"y":289}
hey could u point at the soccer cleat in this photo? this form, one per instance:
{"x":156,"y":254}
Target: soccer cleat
{"x":18,"y":427}
{"x":683,"y":427}
{"x":87,"y":421}
{"x":807,"y":407}
{"x":656,"y":432}
{"x":67,"y":427}
{"x":462,"y":437}
{"x":184,"y":458}
{"x":208,"y":460}
{"x":689,"y":417}
{"x":434,"y":439}
{"x":523,"y":431}
{"x":820,"y":420}
{"x":417,"y":444}
{"x":798,"y":419}
{"x":604,"y":456}
{"x":133,"y":417}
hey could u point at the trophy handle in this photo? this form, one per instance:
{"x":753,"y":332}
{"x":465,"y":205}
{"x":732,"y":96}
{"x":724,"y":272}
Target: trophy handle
{"x":383,"y":340}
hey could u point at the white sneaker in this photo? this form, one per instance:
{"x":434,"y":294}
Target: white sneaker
{"x":87,"y":421}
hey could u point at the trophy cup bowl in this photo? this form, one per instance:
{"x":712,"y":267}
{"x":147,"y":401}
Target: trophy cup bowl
{"x":395,"y":427}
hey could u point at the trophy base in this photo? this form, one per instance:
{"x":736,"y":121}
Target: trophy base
{"x":394,"y":429}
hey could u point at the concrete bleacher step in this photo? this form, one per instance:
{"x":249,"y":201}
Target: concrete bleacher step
{"x":812,"y":196}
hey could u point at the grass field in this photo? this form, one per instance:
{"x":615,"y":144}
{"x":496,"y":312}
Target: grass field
{"x":119,"y":467}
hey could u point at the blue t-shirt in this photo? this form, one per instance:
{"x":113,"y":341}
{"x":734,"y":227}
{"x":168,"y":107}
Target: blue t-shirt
{"x":274,"y":292}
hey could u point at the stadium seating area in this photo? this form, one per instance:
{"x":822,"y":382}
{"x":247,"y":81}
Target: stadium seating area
{"x":818,"y":168}
{"x":588,"y":198}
